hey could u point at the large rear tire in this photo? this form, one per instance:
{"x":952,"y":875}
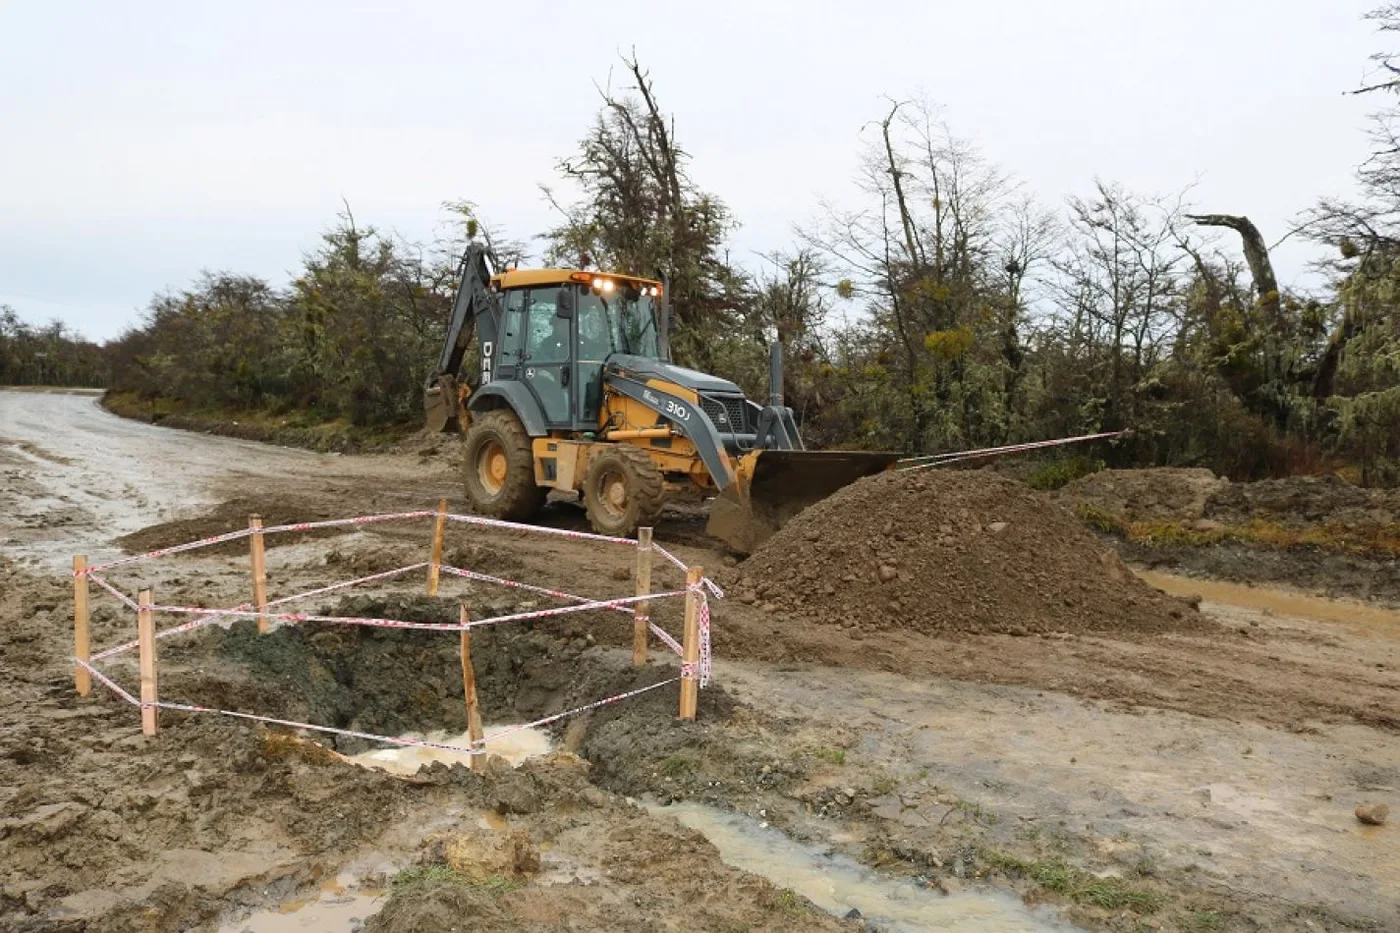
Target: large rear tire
{"x":622,"y":491}
{"x":499,"y":468}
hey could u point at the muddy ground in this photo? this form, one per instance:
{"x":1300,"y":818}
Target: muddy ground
{"x":1193,"y":780}
{"x":1310,"y":533}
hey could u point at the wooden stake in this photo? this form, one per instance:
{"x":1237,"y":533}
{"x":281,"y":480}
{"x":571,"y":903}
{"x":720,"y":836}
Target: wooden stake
{"x":146,"y":639}
{"x":259,"y":571}
{"x":437,"y":548}
{"x":690,"y":646}
{"x":641,"y":610}
{"x":475,"y":733}
{"x":82,"y":648}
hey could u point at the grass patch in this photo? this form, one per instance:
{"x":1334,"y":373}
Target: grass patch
{"x":832,"y":756}
{"x":425,"y":874}
{"x":442,"y":874}
{"x":1202,"y":921}
{"x":1078,"y":885}
{"x":976,"y":812}
{"x":676,"y":766}
{"x":1333,"y":537}
{"x":1062,"y":471}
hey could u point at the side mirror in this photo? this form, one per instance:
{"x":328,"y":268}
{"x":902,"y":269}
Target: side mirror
{"x":565,"y":303}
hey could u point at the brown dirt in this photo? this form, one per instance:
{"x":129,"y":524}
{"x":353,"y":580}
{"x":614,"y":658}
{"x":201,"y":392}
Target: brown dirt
{"x":971,"y":552}
{"x":232,"y":515}
{"x":1162,"y":494}
{"x":1217,"y":767}
{"x":1301,"y":501}
{"x":102,"y":829}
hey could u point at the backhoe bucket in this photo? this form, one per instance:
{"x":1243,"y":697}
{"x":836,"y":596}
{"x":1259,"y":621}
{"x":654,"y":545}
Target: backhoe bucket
{"x":771,"y":486}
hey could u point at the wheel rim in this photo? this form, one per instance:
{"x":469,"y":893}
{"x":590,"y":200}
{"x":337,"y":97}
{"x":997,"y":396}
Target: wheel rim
{"x":612,"y":494}
{"x":492,"y":467}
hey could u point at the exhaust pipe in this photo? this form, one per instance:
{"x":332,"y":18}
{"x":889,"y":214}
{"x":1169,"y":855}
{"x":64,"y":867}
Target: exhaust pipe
{"x":775,"y":374}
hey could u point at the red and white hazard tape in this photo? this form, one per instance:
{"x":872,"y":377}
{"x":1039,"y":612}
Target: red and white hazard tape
{"x":514,"y":584}
{"x":106,"y":681}
{"x":536,"y":529}
{"x":511,"y":730}
{"x":205,"y":616}
{"x":702,"y":614}
{"x":423,"y":626}
{"x":243,"y":609}
{"x":666,"y":638}
{"x":131,"y":603}
{"x":368,"y":736}
{"x":683,"y":566}
{"x":245,"y":532}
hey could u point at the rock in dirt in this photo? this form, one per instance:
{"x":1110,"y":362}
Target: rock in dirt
{"x":482,"y":856}
{"x":1044,"y":572}
{"x":1373,"y":814}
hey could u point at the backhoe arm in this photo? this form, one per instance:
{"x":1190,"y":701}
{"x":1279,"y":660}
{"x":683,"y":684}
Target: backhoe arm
{"x":474,"y":310}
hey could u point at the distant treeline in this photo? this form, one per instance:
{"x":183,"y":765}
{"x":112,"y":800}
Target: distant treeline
{"x":351,"y":338}
{"x":945,"y":310}
{"x":47,"y":356}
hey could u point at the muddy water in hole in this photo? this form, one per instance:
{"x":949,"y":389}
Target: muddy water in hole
{"x":514,"y":747}
{"x":837,"y":884}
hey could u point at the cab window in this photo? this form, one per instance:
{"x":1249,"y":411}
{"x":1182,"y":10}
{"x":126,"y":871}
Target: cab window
{"x":547,"y":340}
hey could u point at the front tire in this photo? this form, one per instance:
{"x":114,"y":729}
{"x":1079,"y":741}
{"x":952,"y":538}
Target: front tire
{"x":622,"y":491}
{"x":499,"y":468}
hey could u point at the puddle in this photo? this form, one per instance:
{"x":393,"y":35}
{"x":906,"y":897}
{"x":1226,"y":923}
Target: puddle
{"x":406,"y":760}
{"x":1359,"y":617}
{"x":837,"y":883}
{"x":334,"y":908}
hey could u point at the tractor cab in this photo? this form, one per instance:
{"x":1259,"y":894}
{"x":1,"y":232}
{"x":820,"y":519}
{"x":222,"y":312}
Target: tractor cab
{"x":558,"y":330}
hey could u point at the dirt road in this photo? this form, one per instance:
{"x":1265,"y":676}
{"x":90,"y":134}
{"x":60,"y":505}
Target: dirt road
{"x":1200,"y":781}
{"x":77,"y":477}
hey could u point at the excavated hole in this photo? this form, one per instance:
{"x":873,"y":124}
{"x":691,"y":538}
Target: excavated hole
{"x":393,"y":682}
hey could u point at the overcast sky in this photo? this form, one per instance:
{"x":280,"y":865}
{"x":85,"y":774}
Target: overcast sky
{"x":143,"y":142}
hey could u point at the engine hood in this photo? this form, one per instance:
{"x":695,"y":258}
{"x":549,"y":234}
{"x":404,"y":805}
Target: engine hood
{"x":659,"y":369}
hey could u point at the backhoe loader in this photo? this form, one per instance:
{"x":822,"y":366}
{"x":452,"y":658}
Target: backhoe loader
{"x":575,"y":390}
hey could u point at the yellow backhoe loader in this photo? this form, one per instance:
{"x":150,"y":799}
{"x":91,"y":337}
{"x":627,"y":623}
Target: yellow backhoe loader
{"x":575,"y":391}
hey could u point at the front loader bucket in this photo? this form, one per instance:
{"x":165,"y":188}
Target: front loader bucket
{"x":771,"y":486}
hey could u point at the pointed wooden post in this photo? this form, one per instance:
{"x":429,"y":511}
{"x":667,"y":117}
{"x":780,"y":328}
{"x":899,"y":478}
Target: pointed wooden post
{"x":690,"y":646}
{"x":259,"y":570}
{"x":146,"y":645}
{"x":436,"y":560}
{"x":641,"y":610}
{"x":476,"y":735}
{"x":82,"y":643}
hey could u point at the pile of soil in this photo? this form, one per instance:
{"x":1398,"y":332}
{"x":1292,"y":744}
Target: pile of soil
{"x":233,"y":516}
{"x":1173,"y":494}
{"x":1304,"y":500}
{"x":935,"y":552}
{"x":1161,"y":494}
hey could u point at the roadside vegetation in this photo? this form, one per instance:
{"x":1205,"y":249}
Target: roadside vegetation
{"x":50,"y":355}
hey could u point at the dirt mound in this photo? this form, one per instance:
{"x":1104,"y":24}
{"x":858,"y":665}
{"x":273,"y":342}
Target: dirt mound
{"x":1304,"y":500}
{"x":233,"y":516}
{"x":939,"y":552}
{"x":1161,"y":494}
